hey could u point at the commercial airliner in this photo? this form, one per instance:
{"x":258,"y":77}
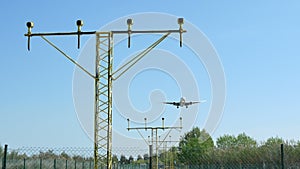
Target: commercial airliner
{"x":182,"y":103}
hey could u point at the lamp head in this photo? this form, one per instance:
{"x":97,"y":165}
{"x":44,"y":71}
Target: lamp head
{"x":29,"y":24}
{"x":79,"y":23}
{"x":180,"y":21}
{"x":129,"y":22}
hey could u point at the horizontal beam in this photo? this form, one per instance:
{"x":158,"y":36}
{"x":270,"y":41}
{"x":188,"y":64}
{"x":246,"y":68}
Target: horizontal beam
{"x":149,"y":31}
{"x":60,"y":33}
{"x":153,"y":128}
{"x":94,"y":32}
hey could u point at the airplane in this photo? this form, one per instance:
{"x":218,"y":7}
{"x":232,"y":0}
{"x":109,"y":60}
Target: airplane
{"x":182,"y":103}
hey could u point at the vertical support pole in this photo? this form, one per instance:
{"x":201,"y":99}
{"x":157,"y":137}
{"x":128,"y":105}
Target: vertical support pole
{"x":150,"y":156}
{"x":66,"y":164}
{"x":171,"y":155}
{"x":156,"y":149}
{"x":96,"y":113}
{"x":152,"y":143}
{"x":4,"y":157}
{"x":282,"y":156}
{"x":103,"y":100}
{"x":109,"y":131}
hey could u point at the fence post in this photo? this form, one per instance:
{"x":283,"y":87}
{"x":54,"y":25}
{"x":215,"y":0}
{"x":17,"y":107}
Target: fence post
{"x":24,"y":167}
{"x":41,"y":162}
{"x":54,"y":164}
{"x":4,"y":157}
{"x":282,"y":156}
{"x":75,"y":164}
{"x":66,"y":164}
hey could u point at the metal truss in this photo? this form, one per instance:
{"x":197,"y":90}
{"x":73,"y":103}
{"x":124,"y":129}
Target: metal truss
{"x":103,"y":100}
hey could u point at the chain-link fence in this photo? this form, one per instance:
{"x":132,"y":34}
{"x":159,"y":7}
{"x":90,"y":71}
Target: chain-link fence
{"x":72,"y":158}
{"x":268,"y":157}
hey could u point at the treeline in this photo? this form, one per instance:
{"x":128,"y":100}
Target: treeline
{"x":48,"y":154}
{"x":197,"y":148}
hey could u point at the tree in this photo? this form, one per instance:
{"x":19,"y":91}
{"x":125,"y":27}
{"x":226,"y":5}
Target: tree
{"x":130,"y":159}
{"x":273,"y":141}
{"x":123,"y":159}
{"x":1,"y":151}
{"x":232,"y":142}
{"x":226,"y":142}
{"x":139,"y":157}
{"x":115,"y":159}
{"x":13,"y":155}
{"x":169,"y":157}
{"x":194,"y":145}
{"x":234,"y":149}
{"x":64,"y":155}
{"x":242,"y":140}
{"x":78,"y":158}
{"x":270,"y":150}
{"x":48,"y":154}
{"x":146,"y":156}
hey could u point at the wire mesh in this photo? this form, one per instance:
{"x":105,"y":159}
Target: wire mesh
{"x":264,"y":157}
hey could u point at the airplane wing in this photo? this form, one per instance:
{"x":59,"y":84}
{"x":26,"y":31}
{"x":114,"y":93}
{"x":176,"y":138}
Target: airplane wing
{"x":173,"y":103}
{"x":194,"y":102}
{"x":190,"y":103}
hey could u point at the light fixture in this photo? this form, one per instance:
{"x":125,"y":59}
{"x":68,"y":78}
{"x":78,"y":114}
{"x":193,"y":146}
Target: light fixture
{"x":145,"y":123}
{"x":180,"y":22}
{"x":29,"y":26}
{"x":128,"y":124}
{"x":79,"y":24}
{"x":129,"y":24}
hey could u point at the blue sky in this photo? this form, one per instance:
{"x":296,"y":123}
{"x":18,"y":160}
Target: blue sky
{"x":257,"y":42}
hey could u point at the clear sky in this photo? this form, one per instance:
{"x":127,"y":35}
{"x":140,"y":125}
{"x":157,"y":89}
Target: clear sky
{"x":257,"y":42}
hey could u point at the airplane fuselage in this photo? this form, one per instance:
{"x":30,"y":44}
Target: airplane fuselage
{"x":182,"y":103}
